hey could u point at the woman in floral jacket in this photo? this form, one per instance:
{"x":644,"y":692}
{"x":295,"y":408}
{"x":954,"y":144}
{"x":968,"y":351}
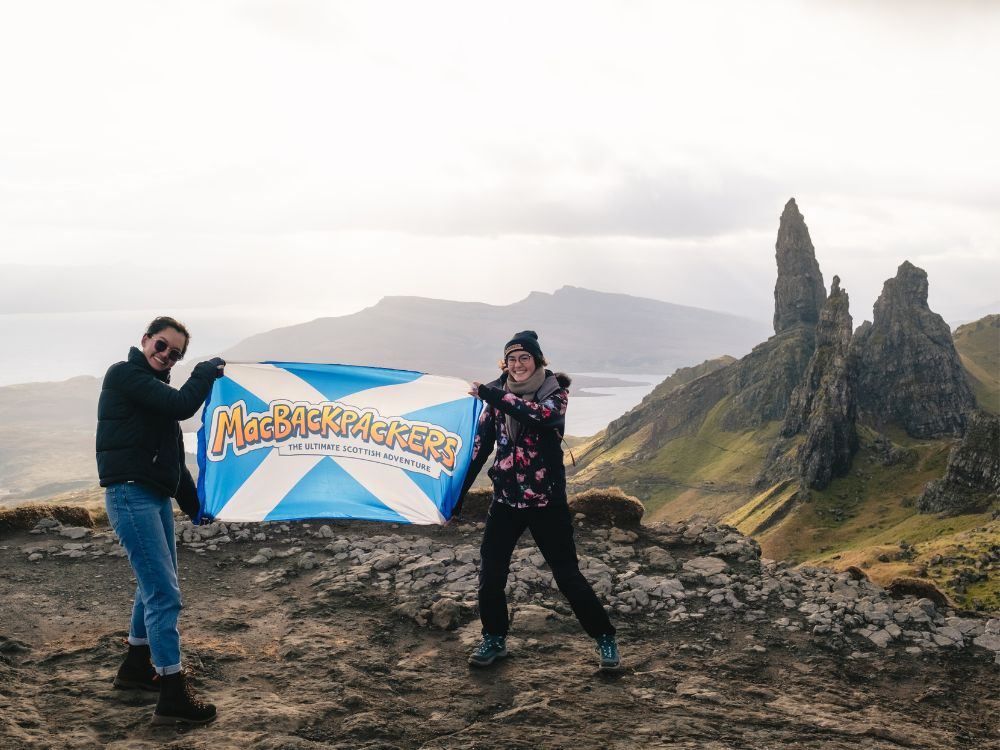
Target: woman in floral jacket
{"x":525,"y":416}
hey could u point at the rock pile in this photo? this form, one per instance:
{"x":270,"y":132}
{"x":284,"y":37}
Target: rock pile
{"x":679,"y":572}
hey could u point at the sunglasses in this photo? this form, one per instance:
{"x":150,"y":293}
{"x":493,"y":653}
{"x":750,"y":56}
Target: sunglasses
{"x":174,"y":355}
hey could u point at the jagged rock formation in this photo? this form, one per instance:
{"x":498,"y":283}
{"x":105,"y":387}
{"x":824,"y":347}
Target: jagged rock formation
{"x":823,"y":405}
{"x":750,"y":440}
{"x":906,"y":367}
{"x":799,"y":291}
{"x":972,"y":480}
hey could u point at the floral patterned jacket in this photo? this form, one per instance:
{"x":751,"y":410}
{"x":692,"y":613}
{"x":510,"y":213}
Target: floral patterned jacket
{"x":530,"y":472}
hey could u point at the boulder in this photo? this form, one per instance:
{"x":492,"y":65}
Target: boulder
{"x":608,"y":507}
{"x":705,"y":566}
{"x":27,"y":517}
{"x":918,"y":588}
{"x":445,"y":614}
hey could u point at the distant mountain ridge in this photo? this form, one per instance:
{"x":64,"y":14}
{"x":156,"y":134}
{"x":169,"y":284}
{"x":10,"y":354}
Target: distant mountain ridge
{"x":580,"y":330}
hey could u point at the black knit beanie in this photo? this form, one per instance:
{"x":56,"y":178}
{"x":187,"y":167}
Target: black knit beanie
{"x":526,"y":341}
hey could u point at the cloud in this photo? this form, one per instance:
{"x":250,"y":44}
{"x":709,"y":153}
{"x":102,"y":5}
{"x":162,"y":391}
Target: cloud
{"x":632,"y":203}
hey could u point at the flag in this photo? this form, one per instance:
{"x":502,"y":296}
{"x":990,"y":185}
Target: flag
{"x":283,"y":441}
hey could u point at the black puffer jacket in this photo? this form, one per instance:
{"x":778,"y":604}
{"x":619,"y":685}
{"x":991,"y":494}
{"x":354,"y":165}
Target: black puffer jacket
{"x":138,"y":435}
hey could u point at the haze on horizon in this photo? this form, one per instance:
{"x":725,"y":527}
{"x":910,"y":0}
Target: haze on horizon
{"x":254,"y":163}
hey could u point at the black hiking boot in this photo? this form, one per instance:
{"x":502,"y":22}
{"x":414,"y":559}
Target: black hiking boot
{"x":178,"y":703}
{"x":137,"y":671}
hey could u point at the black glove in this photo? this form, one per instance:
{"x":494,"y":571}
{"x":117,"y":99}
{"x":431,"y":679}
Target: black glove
{"x":211,"y":368}
{"x":456,"y":512}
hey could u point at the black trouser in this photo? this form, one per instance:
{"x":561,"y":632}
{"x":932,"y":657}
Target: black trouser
{"x":552,"y":530}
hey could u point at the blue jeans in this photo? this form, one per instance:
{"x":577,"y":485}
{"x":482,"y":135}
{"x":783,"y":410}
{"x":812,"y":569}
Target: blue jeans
{"x":143,"y":519}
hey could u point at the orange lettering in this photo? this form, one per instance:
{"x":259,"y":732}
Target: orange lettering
{"x":417,"y":435}
{"x":396,"y":434}
{"x":435,"y":439}
{"x":228,"y":423}
{"x":363,"y":427}
{"x":312,"y":420}
{"x":450,"y":445}
{"x":282,"y":427}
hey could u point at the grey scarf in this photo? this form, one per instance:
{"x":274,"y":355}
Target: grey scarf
{"x":526,"y":389}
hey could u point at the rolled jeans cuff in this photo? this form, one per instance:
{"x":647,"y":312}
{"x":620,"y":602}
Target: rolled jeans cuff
{"x":133,"y":641}
{"x":172,"y":669}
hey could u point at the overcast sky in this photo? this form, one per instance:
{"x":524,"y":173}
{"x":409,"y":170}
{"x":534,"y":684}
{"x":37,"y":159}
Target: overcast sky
{"x":274,"y":161}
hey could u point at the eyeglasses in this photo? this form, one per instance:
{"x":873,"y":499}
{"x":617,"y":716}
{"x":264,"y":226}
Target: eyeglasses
{"x":174,"y":355}
{"x":522,"y":360}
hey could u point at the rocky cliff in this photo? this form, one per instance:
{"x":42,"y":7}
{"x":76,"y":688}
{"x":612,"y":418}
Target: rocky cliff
{"x":971,"y":482}
{"x":906,"y":368}
{"x":799,"y":291}
{"x":761,"y":384}
{"x":823,"y":404}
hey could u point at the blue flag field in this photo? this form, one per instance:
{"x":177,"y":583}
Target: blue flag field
{"x":284,"y":441}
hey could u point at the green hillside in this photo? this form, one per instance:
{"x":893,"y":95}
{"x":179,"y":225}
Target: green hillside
{"x":708,"y":472}
{"x":868,"y":520}
{"x":978,"y":346}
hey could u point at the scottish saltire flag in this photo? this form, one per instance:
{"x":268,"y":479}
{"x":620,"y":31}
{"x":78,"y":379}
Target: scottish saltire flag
{"x":283,"y":441}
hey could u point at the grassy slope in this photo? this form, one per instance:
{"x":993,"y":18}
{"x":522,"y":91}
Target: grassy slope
{"x":978,"y":347}
{"x":868,"y":519}
{"x":708,"y":472}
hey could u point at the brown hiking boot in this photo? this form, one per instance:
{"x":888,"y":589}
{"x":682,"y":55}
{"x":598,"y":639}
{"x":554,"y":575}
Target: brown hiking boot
{"x":137,"y":671}
{"x":178,"y":703}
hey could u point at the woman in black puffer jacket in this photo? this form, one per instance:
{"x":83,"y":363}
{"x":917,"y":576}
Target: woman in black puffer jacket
{"x":140,"y":461}
{"x":525,"y":416}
